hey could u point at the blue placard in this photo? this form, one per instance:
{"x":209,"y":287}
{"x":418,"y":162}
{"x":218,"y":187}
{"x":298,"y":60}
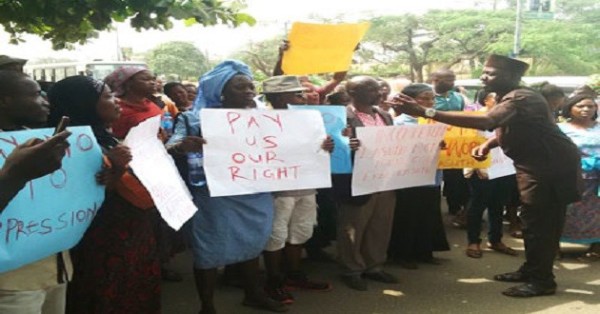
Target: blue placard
{"x":334,"y":118}
{"x":50,"y":214}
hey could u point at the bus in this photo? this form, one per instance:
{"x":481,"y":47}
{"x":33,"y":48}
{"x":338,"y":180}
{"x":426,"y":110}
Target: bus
{"x":54,"y":72}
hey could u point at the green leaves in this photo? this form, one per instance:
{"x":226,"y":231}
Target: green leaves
{"x":68,"y":21}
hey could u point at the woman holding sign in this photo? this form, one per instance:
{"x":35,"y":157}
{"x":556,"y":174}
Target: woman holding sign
{"x":230,"y":229}
{"x":418,"y":229}
{"x":116,"y":265}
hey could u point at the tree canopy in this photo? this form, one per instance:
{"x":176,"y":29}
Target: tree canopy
{"x":177,"y":58}
{"x":67,"y":21}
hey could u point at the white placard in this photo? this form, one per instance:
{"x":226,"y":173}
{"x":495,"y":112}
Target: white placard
{"x":251,"y":151}
{"x":396,"y":157}
{"x":155,"y":168}
{"x":502,"y":165}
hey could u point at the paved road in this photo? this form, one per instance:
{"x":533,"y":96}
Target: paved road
{"x":460,"y":285}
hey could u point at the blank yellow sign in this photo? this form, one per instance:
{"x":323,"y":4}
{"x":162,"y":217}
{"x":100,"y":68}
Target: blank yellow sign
{"x":321,"y":48}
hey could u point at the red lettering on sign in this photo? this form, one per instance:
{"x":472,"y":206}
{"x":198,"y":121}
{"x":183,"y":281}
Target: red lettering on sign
{"x":231,"y":118}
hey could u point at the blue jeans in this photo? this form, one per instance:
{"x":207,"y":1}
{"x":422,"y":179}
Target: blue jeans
{"x":490,"y":194}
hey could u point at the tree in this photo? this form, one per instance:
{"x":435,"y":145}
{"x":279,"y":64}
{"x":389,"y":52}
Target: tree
{"x":261,"y":57}
{"x":177,"y":58}
{"x":68,"y":21}
{"x":400,"y":39}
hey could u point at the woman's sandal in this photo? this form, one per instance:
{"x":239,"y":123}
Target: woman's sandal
{"x":473,"y":253}
{"x":502,"y":248}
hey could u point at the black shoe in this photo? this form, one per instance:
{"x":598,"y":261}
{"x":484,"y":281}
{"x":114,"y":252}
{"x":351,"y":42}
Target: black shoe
{"x":381,"y":276}
{"x":528,"y":290}
{"x":355,"y":282}
{"x":515,"y":276}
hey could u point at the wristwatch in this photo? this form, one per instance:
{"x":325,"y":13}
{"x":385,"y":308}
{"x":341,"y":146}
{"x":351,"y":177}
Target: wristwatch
{"x":430,"y":112}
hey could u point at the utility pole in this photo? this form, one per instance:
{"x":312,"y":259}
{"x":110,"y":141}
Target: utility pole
{"x":517,"y":43}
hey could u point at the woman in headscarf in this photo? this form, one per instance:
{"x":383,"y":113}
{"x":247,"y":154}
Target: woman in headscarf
{"x":231,"y":229}
{"x":116,"y":268}
{"x":418,"y":230}
{"x":132,"y":85}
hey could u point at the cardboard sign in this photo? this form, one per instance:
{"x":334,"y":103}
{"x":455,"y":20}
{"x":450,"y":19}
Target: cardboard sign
{"x":251,"y":151}
{"x":50,"y":214}
{"x":396,"y":157}
{"x":459,"y":144}
{"x":155,"y":168}
{"x":321,"y":48}
{"x":334,"y":118}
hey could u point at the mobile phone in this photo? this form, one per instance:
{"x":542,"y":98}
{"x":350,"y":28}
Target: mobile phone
{"x":62,"y":125}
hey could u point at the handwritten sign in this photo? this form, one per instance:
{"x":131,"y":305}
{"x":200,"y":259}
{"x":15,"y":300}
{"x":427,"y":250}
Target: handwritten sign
{"x":334,"y":118}
{"x":321,"y":48}
{"x":51,"y":213}
{"x":501,"y":165}
{"x":459,"y":144}
{"x":396,"y":157}
{"x":155,"y":168}
{"x":251,"y":151}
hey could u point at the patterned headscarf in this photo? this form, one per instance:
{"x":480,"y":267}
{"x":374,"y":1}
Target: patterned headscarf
{"x":211,"y":84}
{"x":116,"y":80}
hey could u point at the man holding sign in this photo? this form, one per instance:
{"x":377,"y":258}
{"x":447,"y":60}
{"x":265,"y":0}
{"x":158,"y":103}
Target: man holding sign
{"x":546,"y":160}
{"x":42,"y":284}
{"x":295,"y":211}
{"x":365,"y":222}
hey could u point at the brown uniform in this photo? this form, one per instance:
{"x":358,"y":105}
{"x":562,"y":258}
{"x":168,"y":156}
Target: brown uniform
{"x":548,"y":175}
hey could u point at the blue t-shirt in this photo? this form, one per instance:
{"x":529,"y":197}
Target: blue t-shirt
{"x":454,"y":102}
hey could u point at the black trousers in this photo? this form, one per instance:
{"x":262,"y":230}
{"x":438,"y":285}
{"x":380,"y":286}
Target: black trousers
{"x":456,"y":190}
{"x":543,"y":218}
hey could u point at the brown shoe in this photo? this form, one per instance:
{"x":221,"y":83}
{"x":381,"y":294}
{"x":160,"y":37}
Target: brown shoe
{"x":502,"y":248}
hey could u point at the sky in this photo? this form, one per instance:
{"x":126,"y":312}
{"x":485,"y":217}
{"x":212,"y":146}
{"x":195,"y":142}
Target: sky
{"x":273,"y":18}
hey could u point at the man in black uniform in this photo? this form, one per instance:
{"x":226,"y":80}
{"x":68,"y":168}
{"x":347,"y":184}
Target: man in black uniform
{"x":547,"y":164}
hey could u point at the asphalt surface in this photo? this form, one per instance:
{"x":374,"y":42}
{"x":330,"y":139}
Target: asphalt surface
{"x":459,"y":285}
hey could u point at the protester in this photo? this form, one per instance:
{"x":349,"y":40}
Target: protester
{"x":178,"y":93}
{"x":163,"y":101}
{"x":115,"y":264}
{"x":418,"y":229}
{"x":555,"y":97}
{"x":39,"y":287}
{"x":339,"y":96}
{"x":364,"y":222}
{"x":230,"y":229}
{"x":191,"y":90}
{"x":295,"y":212}
{"x":582,"y":223}
{"x":486,"y":193}
{"x":456,"y":190}
{"x":132,"y":85}
{"x":546,"y":160}
{"x":385,"y":90}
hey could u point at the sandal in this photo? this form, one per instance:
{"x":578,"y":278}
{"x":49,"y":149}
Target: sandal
{"x":502,"y":248}
{"x":474,"y":253}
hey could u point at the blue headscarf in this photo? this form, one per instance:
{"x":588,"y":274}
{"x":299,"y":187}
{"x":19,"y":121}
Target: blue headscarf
{"x":211,"y":84}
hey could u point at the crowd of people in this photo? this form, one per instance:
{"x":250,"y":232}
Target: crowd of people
{"x":118,"y":265}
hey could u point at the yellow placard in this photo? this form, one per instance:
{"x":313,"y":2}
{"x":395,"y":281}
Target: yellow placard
{"x":459,"y":142}
{"x":321,"y":48}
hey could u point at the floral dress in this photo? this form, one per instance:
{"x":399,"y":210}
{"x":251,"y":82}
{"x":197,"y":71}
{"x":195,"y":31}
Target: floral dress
{"x":582,"y":223}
